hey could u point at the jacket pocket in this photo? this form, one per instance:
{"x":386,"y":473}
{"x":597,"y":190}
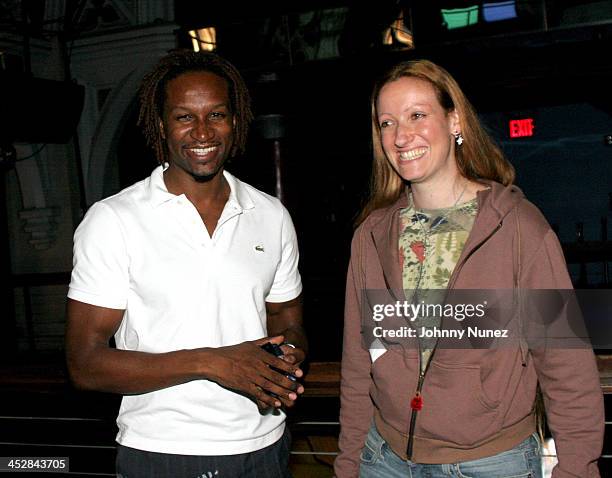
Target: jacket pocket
{"x":455,"y":408}
{"x":394,"y":378}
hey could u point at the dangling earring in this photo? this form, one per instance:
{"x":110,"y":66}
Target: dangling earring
{"x":458,"y":138}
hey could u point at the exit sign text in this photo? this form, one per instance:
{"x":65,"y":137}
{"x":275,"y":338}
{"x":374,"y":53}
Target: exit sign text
{"x":519,"y":128}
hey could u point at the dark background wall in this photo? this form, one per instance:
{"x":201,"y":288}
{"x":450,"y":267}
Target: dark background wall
{"x":313,"y":62}
{"x":560,"y":78}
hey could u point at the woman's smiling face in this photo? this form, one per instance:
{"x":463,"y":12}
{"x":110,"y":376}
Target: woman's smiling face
{"x":417,"y":132}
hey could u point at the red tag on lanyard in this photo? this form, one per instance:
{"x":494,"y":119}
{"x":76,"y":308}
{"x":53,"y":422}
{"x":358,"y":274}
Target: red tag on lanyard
{"x":417,"y":402}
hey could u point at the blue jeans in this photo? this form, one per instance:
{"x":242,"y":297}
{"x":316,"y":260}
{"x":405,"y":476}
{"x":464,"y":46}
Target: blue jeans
{"x":378,"y":461}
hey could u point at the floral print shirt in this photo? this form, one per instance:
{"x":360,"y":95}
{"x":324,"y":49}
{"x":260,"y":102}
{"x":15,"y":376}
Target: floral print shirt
{"x":430,"y":243}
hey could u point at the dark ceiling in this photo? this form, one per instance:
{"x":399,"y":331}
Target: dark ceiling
{"x":554,"y":48}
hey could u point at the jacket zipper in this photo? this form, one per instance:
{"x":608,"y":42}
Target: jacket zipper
{"x":413,"y":417}
{"x":419,"y":388}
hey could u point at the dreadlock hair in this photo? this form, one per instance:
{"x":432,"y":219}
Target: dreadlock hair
{"x":152,"y":96}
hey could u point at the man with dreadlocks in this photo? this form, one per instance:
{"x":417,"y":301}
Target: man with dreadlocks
{"x":191,"y":271}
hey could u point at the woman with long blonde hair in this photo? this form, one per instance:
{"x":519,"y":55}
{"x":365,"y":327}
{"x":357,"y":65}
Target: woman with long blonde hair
{"x":443,"y":214}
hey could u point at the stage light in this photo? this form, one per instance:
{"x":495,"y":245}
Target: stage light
{"x":398,"y":33}
{"x":498,"y":11}
{"x":460,"y":17}
{"x":204,"y":39}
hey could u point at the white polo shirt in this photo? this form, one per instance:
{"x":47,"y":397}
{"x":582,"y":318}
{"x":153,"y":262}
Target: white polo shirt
{"x":147,"y":251}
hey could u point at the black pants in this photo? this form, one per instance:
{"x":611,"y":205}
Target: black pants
{"x":269,"y":462}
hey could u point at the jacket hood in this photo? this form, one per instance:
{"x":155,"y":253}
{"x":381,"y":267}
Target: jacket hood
{"x":500,"y":199}
{"x":494,"y":204}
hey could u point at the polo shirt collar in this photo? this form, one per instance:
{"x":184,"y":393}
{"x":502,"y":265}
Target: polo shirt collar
{"x":158,"y":192}
{"x":239,"y":194}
